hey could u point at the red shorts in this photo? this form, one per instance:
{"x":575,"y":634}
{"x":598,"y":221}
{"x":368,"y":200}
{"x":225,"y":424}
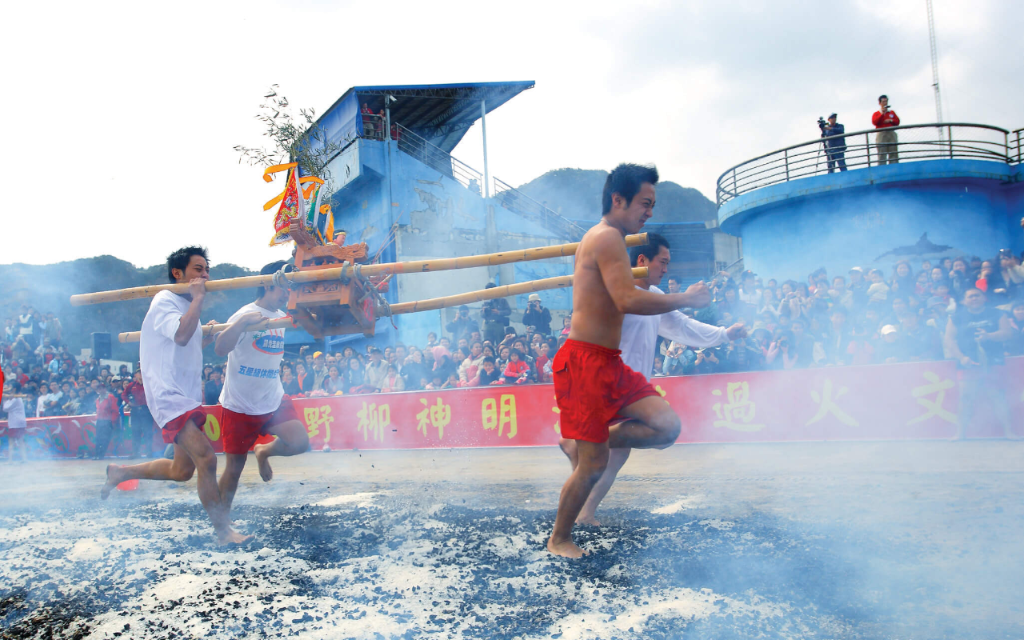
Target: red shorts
{"x":240,"y":430}
{"x":173,"y":428}
{"x":592,"y":385}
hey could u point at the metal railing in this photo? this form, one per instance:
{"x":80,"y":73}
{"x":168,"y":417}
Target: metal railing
{"x":373,"y":126}
{"x":864,"y":149}
{"x":517,"y":201}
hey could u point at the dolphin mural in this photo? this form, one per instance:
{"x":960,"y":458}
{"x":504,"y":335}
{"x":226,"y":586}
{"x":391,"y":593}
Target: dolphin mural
{"x":924,"y":246}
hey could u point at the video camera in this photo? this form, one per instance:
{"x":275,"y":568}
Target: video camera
{"x":822,"y":123}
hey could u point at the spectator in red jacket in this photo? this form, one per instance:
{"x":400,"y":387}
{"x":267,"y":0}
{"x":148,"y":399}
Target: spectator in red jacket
{"x":517,"y":371}
{"x":886,"y":141}
{"x":141,"y":419}
{"x":107,"y":416}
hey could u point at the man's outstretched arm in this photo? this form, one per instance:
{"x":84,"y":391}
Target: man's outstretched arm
{"x":609,"y":250}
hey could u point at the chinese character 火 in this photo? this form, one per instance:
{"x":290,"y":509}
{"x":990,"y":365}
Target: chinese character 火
{"x":827,"y":405}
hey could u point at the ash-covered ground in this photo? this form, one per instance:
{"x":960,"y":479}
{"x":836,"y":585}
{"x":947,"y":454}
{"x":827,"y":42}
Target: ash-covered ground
{"x":887,"y":540}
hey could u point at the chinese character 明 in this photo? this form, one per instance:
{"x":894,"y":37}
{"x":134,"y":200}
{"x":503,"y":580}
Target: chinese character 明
{"x":738,"y":413}
{"x":437,"y":416}
{"x":827,"y":405}
{"x":319,"y":417}
{"x":372,"y":421}
{"x":934,"y":406}
{"x":493,"y":417}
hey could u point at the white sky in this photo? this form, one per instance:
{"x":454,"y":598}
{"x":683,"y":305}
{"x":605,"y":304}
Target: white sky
{"x":122,"y":116}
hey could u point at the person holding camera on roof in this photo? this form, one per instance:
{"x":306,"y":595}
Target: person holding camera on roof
{"x":835,"y":148}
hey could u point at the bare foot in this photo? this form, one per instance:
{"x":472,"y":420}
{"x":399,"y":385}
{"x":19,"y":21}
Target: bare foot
{"x":231,"y":537}
{"x":587,"y":518}
{"x":114,"y":476}
{"x":566,"y":549}
{"x":263,"y":462}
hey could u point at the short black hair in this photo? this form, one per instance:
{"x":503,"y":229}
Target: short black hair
{"x":267,"y":270}
{"x":655,"y":241}
{"x":625,"y":180}
{"x":180,"y":259}
{"x":489,"y":359}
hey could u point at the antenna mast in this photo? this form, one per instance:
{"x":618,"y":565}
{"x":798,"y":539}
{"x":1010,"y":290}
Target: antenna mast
{"x":935,"y":62}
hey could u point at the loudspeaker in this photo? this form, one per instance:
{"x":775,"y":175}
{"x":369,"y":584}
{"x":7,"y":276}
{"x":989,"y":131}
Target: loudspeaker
{"x":101,"y":346}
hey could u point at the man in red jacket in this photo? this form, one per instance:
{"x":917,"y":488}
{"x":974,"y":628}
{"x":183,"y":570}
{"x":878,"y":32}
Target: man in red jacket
{"x":886,"y":140}
{"x":107,"y":416}
{"x":141,"y":419}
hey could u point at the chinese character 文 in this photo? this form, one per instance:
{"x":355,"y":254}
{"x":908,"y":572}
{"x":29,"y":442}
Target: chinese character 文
{"x":316,"y":418}
{"x":495,"y":418}
{"x":934,"y":406}
{"x":827,"y":405}
{"x":437,"y":416}
{"x":373,"y":419}
{"x":738,"y":413}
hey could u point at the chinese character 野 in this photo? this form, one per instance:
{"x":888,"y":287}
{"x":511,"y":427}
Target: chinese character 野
{"x":316,"y":418}
{"x":934,"y":406}
{"x":827,"y":405}
{"x":373,"y":420}
{"x":738,"y":413}
{"x":437,"y":416}
{"x":493,"y":418}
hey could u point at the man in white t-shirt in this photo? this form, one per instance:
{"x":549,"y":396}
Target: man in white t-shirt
{"x":253,"y":398}
{"x":171,"y":355}
{"x":14,"y":407}
{"x":638,"y":342}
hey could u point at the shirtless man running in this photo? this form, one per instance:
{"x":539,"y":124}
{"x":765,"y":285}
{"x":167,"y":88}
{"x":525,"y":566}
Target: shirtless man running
{"x":171,"y":353}
{"x":592,"y":385}
{"x":253,"y":397}
{"x":639,"y":340}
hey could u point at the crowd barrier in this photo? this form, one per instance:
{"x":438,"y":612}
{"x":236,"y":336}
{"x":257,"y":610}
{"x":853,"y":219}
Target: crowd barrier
{"x":879,"y":402}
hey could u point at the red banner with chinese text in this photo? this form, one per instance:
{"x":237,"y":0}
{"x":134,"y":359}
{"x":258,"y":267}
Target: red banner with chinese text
{"x":881,"y":402}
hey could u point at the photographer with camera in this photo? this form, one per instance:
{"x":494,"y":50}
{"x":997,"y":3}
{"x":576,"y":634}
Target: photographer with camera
{"x":886,"y":141}
{"x":537,"y":316}
{"x":835,"y":148}
{"x":462,"y":327}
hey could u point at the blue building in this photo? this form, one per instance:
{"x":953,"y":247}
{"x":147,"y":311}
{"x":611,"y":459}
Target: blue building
{"x":398,"y":189}
{"x":955,"y":190}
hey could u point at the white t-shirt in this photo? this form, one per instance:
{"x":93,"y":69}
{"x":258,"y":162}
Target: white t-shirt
{"x":171,"y":375}
{"x":253,"y":382}
{"x":15,"y":409}
{"x":640,"y":335}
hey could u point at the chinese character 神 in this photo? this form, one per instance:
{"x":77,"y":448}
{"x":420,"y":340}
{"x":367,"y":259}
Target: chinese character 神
{"x":827,"y":405}
{"x":934,"y":407}
{"x":493,"y":418}
{"x":319,"y":417}
{"x":437,"y":416}
{"x":738,"y":413}
{"x":372,"y":421}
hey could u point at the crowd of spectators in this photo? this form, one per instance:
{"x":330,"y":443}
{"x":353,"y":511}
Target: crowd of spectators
{"x":862,"y":317}
{"x":40,"y":367}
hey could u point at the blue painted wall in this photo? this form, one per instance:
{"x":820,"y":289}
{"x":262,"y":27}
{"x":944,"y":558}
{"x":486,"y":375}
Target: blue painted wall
{"x":437,"y":218}
{"x":845,"y":219}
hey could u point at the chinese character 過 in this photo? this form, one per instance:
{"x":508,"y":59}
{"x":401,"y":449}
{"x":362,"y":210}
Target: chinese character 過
{"x":738,"y":413}
{"x":493,"y":417}
{"x":827,"y":405}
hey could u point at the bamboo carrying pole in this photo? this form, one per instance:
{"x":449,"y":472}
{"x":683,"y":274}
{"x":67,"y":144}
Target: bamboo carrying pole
{"x":388,"y":268}
{"x":431,"y":304}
